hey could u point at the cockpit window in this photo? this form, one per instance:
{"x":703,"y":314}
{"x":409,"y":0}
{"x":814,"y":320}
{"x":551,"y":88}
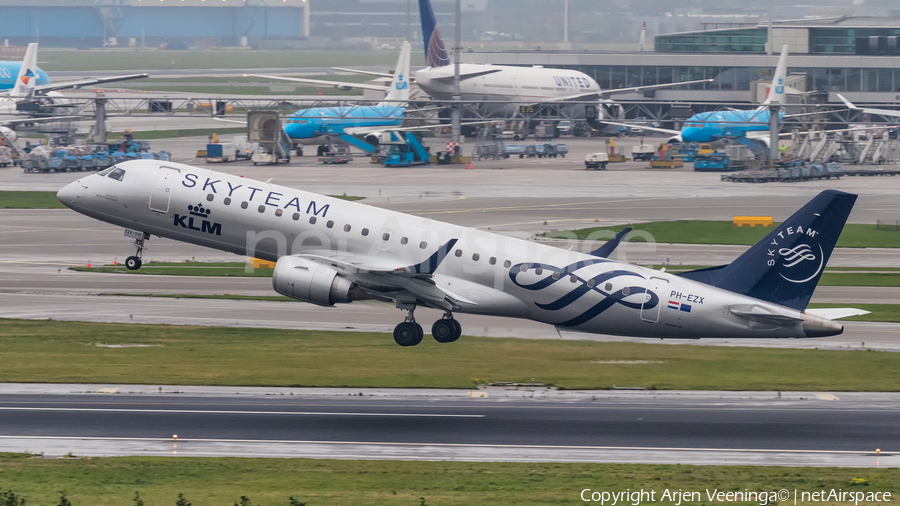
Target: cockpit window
{"x":107,"y":170}
{"x":117,"y":174}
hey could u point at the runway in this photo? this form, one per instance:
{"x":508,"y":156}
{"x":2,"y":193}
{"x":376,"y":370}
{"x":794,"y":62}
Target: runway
{"x":756,"y":428}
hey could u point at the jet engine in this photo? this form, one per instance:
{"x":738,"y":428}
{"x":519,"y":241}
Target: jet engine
{"x":310,"y":281}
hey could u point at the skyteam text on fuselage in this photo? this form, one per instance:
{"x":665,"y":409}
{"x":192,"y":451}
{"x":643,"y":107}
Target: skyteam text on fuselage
{"x":332,"y":251}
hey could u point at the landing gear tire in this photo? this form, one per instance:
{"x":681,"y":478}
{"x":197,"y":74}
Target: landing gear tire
{"x":299,"y":152}
{"x":446,"y":330}
{"x":408,"y":334}
{"x":133,"y":263}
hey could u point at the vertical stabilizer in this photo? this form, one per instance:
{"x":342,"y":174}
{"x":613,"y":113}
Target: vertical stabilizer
{"x":399,"y":91}
{"x":643,"y":37}
{"x":786,"y":265}
{"x":435,"y":51}
{"x":28,"y":76}
{"x":776,"y":93}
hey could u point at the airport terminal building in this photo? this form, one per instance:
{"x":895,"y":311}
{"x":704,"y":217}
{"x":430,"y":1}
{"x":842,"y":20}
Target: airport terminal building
{"x":858,"y":57}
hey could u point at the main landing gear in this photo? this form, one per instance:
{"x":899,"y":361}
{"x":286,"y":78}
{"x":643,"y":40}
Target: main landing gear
{"x":410,"y":333}
{"x":134,"y":262}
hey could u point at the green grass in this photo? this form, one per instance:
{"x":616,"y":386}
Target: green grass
{"x":226,"y":269}
{"x":223,"y":296}
{"x":150,"y":59}
{"x":724,"y":232}
{"x":67,"y":352}
{"x":29,"y":200}
{"x":113,"y":481}
{"x":237,"y":269}
{"x":246,"y":85}
{"x":878,"y":312}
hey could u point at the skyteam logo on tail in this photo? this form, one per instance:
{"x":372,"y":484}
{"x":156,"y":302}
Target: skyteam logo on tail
{"x":800,"y":261}
{"x":402,"y":84}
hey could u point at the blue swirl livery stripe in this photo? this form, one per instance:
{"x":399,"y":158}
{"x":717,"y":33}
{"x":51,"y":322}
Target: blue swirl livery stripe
{"x":582,"y":289}
{"x":608,"y":301}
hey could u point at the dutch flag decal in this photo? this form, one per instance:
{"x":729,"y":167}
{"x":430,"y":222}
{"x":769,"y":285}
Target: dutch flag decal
{"x":674,"y":305}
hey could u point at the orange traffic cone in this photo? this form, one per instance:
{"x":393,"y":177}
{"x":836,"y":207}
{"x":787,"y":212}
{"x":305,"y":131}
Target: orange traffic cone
{"x":89,"y":264}
{"x":116,"y":261}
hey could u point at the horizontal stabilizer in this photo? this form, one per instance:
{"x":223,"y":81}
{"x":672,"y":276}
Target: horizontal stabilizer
{"x":760,"y":315}
{"x":836,"y":313}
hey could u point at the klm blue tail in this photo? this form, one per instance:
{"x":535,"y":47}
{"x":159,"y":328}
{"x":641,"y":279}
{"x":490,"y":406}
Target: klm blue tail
{"x":435,"y":51}
{"x":786,"y":265}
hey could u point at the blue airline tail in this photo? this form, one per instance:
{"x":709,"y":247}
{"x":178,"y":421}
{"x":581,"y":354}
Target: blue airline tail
{"x":786,"y":265}
{"x":435,"y":51}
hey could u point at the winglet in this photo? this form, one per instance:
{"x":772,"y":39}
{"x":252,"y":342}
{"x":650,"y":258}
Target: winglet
{"x":430,"y":264}
{"x":847,"y":102}
{"x":606,"y":250}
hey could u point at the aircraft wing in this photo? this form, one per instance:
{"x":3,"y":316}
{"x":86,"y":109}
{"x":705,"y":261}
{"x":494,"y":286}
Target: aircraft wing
{"x":86,"y":82}
{"x":336,"y":84}
{"x":364,"y":72}
{"x":639,"y":89}
{"x":17,"y":121}
{"x":880,"y":112}
{"x":643,"y":127}
{"x":836,"y":313}
{"x":463,"y":75}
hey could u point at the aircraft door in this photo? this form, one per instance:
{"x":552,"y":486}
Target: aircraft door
{"x":163,"y":186}
{"x":384,"y":242}
{"x":649,"y":311}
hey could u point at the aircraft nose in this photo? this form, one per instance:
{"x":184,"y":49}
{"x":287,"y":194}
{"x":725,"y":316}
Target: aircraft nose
{"x":70,"y":193}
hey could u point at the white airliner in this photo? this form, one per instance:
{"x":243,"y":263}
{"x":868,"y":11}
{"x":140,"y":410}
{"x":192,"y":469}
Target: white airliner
{"x":332,"y":251}
{"x":499,"y":83}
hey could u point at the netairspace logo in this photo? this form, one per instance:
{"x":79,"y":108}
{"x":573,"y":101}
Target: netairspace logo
{"x":761,"y":497}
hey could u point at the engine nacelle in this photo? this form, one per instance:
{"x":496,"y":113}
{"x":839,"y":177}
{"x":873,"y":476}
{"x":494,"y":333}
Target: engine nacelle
{"x":309,"y":281}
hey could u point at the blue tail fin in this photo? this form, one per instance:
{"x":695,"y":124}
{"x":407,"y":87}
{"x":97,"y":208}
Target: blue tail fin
{"x":435,"y":51}
{"x":786,"y":265}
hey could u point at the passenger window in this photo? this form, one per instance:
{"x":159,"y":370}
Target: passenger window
{"x":330,"y":224}
{"x":278,"y":212}
{"x":556,"y":275}
{"x":365,"y":231}
{"x":244,"y":205}
{"x":404,"y":240}
{"x":458,"y":253}
{"x":507,"y":263}
{"x":475,"y":256}
{"x":210,"y":197}
{"x":262,"y":209}
{"x":573,"y":278}
{"x":227,"y":201}
{"x":423,"y":244}
{"x":539,"y":271}
{"x":523,"y":267}
{"x":590,"y":283}
{"x":385,"y":237}
{"x":117,"y":174}
{"x":296,"y":216}
{"x":312,"y":219}
{"x":493,"y":260}
{"x":346,"y":228}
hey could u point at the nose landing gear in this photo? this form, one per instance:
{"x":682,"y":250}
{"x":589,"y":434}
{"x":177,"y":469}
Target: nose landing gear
{"x":134,"y":262}
{"x":447,"y":329}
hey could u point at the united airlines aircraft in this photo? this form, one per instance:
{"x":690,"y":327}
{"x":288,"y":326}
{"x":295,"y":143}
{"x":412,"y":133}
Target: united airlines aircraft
{"x":330,"y":251}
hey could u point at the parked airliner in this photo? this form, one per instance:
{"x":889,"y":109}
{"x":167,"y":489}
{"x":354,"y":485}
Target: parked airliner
{"x":332,"y":251}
